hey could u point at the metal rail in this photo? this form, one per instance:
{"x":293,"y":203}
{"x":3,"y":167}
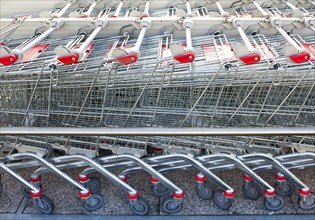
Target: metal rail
{"x":56,"y":131}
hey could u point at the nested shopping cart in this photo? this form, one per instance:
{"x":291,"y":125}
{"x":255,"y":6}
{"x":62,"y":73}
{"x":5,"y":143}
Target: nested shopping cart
{"x":160,"y":86}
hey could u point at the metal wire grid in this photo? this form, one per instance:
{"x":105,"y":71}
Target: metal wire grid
{"x":145,"y":95}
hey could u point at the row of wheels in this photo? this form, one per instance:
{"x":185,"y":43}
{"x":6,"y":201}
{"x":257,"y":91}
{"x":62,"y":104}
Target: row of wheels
{"x":251,"y":191}
{"x":140,"y":206}
{"x":46,"y":206}
{"x":206,"y":192}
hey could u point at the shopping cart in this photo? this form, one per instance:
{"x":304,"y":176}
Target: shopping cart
{"x":161,"y":65}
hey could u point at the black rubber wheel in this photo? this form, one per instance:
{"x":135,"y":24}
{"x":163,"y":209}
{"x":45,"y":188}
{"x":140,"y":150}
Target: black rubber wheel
{"x":1,"y":187}
{"x":286,"y":190}
{"x":94,"y":202}
{"x":251,"y":191}
{"x":161,"y":190}
{"x":44,"y":204}
{"x":168,"y":206}
{"x":206,"y":192}
{"x":221,"y":201}
{"x":276,"y":204}
{"x":94,"y":185}
{"x":309,"y":203}
{"x":142,"y":208}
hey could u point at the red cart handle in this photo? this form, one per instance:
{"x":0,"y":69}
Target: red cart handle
{"x":251,"y":59}
{"x":185,"y":58}
{"x":300,"y":58}
{"x":69,"y":59}
{"x":128,"y":59}
{"x":8,"y":60}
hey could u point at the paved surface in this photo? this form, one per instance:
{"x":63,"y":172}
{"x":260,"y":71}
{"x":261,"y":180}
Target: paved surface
{"x":67,"y":201}
{"x":152,"y":217}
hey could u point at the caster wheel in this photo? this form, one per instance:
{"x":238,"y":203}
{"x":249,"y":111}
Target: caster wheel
{"x":161,"y":190}
{"x":169,"y":207}
{"x":205,"y":192}
{"x":142,"y":208}
{"x":308,"y":203}
{"x":94,"y":202}
{"x":286,"y":189}
{"x":221,"y":201}
{"x":94,"y":185}
{"x":275,"y":204}
{"x":44,"y":204}
{"x":251,"y":191}
{"x":26,"y":191}
{"x":1,"y":187}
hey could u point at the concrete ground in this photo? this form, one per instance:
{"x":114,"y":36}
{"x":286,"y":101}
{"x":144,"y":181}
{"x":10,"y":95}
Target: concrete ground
{"x":66,"y":200}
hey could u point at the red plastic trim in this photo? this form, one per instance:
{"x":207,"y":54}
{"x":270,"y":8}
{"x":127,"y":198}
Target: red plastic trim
{"x":300,"y":58}
{"x":133,"y":197}
{"x":128,"y":59}
{"x":178,"y":196}
{"x":156,"y":149}
{"x":185,"y":58}
{"x":34,"y":52}
{"x":154,"y":180}
{"x":229,"y":194}
{"x":268,"y":193}
{"x":280,"y":177}
{"x":36,"y":195}
{"x":69,"y":59}
{"x":113,"y":16}
{"x":304,"y":193}
{"x":83,"y":16}
{"x":38,"y":179}
{"x":247,"y":178}
{"x":200,"y":179}
{"x":85,"y":195}
{"x":83,"y":179}
{"x":8,"y":60}
{"x":124,"y":178}
{"x":250,"y":59}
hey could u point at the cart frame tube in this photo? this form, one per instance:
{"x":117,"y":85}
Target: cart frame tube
{"x":57,"y":131}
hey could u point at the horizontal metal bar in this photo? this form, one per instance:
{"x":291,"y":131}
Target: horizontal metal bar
{"x":114,"y":25}
{"x":56,"y":131}
{"x":126,"y":217}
